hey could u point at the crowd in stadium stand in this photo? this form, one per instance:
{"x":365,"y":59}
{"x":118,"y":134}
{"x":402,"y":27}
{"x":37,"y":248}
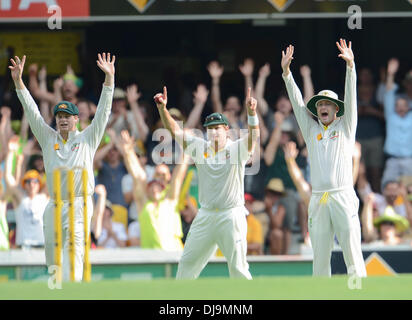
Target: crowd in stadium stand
{"x":146,"y":188}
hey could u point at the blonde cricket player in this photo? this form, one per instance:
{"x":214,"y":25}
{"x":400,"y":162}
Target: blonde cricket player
{"x":221,"y":220}
{"x":333,"y":207}
{"x":67,"y":148}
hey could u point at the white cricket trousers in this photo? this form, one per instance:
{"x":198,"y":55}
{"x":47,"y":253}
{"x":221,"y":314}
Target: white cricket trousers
{"x":226,"y":229}
{"x":336,"y":214}
{"x":48,"y":227}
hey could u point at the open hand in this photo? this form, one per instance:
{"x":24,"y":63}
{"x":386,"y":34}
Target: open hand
{"x":17,"y":67}
{"x":106,"y":63}
{"x":346,"y":52}
{"x":247,"y":67}
{"x":287,"y":58}
{"x":215,"y":69}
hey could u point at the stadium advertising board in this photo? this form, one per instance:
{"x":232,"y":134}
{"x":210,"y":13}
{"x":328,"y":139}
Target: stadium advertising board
{"x":130,"y":10}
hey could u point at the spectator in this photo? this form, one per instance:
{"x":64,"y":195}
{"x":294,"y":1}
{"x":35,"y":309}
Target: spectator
{"x":393,"y":195}
{"x":123,"y":119}
{"x":233,"y":106}
{"x":277,"y":168}
{"x":254,"y":235}
{"x":4,"y":228}
{"x":160,"y":222}
{"x":385,"y":229}
{"x":127,"y":184}
{"x":29,"y":204}
{"x":109,"y":234}
{"x":111,"y":169}
{"x":188,"y":213}
{"x":275,"y":238}
{"x":370,"y":130}
{"x":133,"y":234}
{"x":398,"y":129}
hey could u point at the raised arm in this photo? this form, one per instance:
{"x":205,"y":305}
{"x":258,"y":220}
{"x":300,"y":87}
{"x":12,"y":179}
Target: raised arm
{"x":389,"y":99}
{"x":11,"y":183}
{"x":95,"y":131}
{"x":168,"y":122}
{"x":37,"y":124}
{"x":133,"y":96}
{"x":216,"y":71}
{"x":295,"y":173}
{"x":103,"y":151}
{"x":100,"y":205}
{"x":308,"y":90}
{"x":303,"y":118}
{"x":178,"y":176}
{"x":272,"y":146}
{"x":246,"y":68}
{"x":368,"y":230}
{"x":253,"y":125}
{"x":264,"y":73}
{"x":133,"y":166}
{"x":350,"y":117}
{"x":199,"y":101}
{"x":36,"y":87}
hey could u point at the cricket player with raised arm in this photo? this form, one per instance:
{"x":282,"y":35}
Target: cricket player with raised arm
{"x":67,"y":148}
{"x":333,"y":207}
{"x":221,"y":219}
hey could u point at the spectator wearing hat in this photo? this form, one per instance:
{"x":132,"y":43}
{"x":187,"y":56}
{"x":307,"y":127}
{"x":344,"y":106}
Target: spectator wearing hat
{"x":28,"y":203}
{"x":277,"y":238}
{"x":254,"y":236}
{"x":398,"y":118}
{"x":333,"y":208}
{"x":382,"y":229}
{"x":109,"y":234}
{"x":67,"y":147}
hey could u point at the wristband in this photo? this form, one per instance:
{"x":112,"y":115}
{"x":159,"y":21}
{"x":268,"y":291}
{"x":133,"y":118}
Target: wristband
{"x":253,"y":120}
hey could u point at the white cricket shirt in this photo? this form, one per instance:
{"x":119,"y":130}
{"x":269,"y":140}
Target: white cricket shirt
{"x":330,"y":151}
{"x":80,"y":147}
{"x":221,"y":175}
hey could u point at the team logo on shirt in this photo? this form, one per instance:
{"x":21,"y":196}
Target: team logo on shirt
{"x":75,"y":146}
{"x":334,"y":135}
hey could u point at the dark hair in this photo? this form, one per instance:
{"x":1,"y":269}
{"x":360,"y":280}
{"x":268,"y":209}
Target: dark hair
{"x":389,"y":182}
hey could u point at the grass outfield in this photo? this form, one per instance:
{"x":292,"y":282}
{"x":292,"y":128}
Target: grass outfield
{"x":261,"y":288}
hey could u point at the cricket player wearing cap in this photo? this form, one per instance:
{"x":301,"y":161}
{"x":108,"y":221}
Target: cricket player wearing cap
{"x":67,"y":147}
{"x":221,"y":168}
{"x":333,"y":207}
